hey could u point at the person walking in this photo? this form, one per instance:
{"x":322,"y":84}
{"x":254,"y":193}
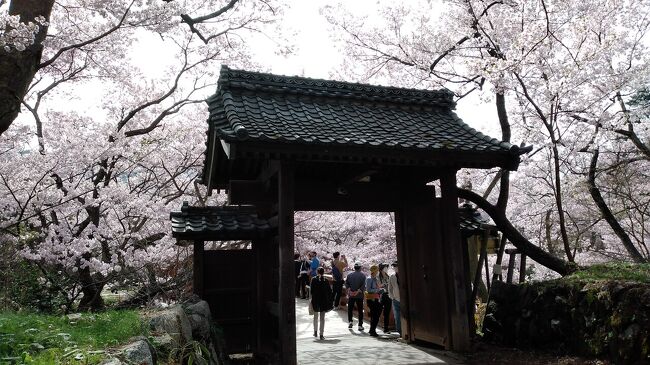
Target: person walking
{"x":393,"y":293}
{"x":385,"y":301}
{"x":373,"y":294}
{"x":315,"y":264}
{"x":321,"y":300}
{"x":303,"y":277}
{"x":297,"y":264}
{"x":339,"y":265}
{"x":355,"y":283}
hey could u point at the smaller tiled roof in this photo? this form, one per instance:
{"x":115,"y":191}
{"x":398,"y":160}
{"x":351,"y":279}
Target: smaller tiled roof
{"x":472,"y":221}
{"x":218,"y":223}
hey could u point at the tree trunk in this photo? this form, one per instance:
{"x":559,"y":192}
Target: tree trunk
{"x":558,"y":201}
{"x":607,"y":213}
{"x":526,"y":247}
{"x":92,"y":292}
{"x":504,"y":184}
{"x":17,"y":69}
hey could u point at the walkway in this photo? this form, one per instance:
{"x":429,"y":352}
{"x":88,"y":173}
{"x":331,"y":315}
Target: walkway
{"x":349,"y":346}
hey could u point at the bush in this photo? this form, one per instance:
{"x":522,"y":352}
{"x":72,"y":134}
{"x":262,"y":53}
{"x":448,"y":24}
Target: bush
{"x":24,"y":287}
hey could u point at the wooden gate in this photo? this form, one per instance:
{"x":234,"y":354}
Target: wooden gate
{"x":229,"y":288}
{"x":423,"y":281}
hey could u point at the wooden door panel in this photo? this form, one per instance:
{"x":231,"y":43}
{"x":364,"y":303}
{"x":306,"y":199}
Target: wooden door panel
{"x":427,"y":298}
{"x":229,"y":289}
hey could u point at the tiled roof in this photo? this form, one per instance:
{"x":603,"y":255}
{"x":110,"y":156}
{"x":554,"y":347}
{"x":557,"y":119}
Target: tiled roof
{"x":472,"y":221}
{"x":218,"y":223}
{"x":250,"y":106}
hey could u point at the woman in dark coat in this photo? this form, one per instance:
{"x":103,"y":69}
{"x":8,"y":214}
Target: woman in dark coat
{"x":321,"y":300}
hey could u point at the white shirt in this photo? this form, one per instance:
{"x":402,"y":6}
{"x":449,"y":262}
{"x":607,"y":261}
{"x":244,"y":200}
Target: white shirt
{"x":393,"y":288}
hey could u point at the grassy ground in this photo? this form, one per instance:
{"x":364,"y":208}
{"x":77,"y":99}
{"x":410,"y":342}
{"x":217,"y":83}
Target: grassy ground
{"x":31,"y":338}
{"x":613,"y":271}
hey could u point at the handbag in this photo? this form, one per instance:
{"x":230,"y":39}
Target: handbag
{"x":372,"y":296}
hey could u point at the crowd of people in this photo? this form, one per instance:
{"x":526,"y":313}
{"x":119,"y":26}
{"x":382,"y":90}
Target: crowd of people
{"x":380,"y":291}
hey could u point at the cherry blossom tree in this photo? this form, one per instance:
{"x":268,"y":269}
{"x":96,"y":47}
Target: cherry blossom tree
{"x":107,"y":145}
{"x":560,"y":74}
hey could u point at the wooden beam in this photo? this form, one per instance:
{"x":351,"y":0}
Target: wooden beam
{"x":458,"y":283}
{"x":311,"y":195}
{"x":197,"y":268}
{"x":243,"y":192}
{"x":287,"y":283}
{"x":376,"y":156}
{"x":358,"y":176}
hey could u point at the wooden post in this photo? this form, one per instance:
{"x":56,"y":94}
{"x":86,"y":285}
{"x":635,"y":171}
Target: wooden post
{"x":522,"y":268}
{"x":457,"y":275}
{"x":487,"y":273}
{"x":403,"y":270}
{"x":197,"y":268}
{"x":511,"y":267}
{"x":479,"y":267}
{"x":287,"y":283}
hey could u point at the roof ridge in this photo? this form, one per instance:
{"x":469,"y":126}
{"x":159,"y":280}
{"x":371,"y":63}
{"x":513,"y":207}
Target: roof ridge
{"x":215,"y":209}
{"x":250,"y":80}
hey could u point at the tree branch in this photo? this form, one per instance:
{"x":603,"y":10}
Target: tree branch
{"x":512,"y":234}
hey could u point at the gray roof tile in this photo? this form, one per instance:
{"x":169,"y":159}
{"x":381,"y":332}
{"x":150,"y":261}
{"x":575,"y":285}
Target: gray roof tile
{"x":218,"y":223}
{"x":250,"y":106}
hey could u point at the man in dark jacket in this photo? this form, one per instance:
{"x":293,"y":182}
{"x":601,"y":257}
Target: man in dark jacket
{"x":321,"y":300}
{"x":355,"y":283}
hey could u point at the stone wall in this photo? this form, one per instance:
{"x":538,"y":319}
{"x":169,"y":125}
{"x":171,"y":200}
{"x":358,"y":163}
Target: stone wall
{"x":602,"y":319}
{"x":181,"y":331}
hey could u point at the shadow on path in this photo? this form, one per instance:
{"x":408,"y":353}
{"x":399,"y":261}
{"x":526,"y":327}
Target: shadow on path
{"x":350,"y":346}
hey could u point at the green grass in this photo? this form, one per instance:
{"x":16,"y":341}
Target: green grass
{"x":613,"y":271}
{"x":32,"y":338}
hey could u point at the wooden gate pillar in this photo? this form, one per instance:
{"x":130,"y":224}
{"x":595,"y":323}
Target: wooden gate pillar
{"x":287,"y":283}
{"x":402,"y":265}
{"x":456,"y":271}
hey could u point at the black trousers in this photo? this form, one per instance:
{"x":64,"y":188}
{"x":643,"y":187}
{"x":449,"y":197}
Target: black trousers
{"x":375,"y":312}
{"x":303,"y":280}
{"x":386,"y":304}
{"x":337,"y":288}
{"x":359,"y":303}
